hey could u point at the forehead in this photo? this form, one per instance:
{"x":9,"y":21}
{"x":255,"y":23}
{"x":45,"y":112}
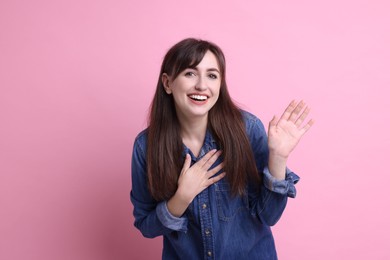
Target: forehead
{"x":209,"y":61}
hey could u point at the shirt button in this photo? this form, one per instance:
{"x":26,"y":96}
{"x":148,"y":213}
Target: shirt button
{"x":207,"y":232}
{"x":209,"y":253}
{"x":204,"y":206}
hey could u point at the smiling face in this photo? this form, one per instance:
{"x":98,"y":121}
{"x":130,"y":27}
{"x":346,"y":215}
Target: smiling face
{"x":195,"y":90}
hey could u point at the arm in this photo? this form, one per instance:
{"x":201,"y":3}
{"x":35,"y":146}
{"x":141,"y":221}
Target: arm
{"x":268,"y":202}
{"x":283,"y":136}
{"x":154,"y":218}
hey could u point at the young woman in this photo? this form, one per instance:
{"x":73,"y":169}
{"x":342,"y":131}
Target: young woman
{"x":204,"y":174}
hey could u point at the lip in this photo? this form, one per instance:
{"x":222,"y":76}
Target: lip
{"x":198,"y":94}
{"x":198,"y":102}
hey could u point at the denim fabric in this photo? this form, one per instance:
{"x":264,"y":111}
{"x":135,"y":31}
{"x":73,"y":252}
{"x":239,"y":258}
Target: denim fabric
{"x":216,"y":225}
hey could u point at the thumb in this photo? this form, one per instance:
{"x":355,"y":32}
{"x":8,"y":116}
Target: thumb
{"x":273,"y":122}
{"x":187,"y":163}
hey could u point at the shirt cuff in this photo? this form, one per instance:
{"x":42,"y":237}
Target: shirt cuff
{"x":286,"y":186}
{"x":170,"y":221}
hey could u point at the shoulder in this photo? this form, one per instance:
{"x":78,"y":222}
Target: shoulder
{"x":142,"y":136}
{"x":251,"y":121}
{"x":256,"y":133}
{"x":140,"y":142}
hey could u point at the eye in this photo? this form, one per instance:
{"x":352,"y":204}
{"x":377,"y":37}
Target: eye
{"x":189,"y":74}
{"x":213,"y":76}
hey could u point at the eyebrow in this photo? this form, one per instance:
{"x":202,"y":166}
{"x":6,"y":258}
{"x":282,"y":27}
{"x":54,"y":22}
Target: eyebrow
{"x":208,"y":70}
{"x":213,"y":69}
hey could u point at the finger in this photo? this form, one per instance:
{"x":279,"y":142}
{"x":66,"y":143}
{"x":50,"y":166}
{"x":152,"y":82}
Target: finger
{"x":302,"y":117}
{"x":273,"y":122}
{"x":206,"y":166}
{"x":307,"y":126}
{"x":187,"y":163}
{"x":289,"y":109}
{"x":214,"y":170}
{"x":206,"y":157}
{"x":215,"y":179}
{"x":297,"y":110}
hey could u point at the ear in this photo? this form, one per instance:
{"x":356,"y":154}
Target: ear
{"x":167,"y":83}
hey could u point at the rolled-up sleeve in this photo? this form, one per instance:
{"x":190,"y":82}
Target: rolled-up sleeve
{"x":269,"y":202}
{"x":152,"y":218}
{"x":170,"y":221}
{"x":283,"y":187}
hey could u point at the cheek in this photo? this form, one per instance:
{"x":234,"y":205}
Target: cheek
{"x":216,"y":89}
{"x":176,"y":97}
{"x":179,"y":97}
{"x":177,"y":89}
{"x":180,"y":87}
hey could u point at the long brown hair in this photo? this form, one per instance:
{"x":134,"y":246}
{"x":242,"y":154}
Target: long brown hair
{"x":165,"y":146}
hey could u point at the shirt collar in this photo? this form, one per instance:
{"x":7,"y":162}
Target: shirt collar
{"x":209,"y":143}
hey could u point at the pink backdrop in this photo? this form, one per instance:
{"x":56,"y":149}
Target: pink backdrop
{"x":76,"y":80}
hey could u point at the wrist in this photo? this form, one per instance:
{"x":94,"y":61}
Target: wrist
{"x":183,"y":196}
{"x":178,"y":204}
{"x":277,"y":165}
{"x":278,"y":156}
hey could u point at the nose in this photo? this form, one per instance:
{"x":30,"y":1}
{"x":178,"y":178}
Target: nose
{"x":201,"y":84}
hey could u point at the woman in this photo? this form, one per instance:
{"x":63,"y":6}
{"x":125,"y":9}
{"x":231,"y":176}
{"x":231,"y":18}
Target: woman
{"x":204,"y":174}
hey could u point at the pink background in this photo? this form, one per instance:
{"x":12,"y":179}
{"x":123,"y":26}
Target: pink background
{"x":76,"y":81}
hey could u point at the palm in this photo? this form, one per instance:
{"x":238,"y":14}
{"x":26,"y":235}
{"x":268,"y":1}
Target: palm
{"x":284,"y":134}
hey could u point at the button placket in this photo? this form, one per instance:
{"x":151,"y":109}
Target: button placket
{"x":205,"y":211}
{"x":206,"y":224}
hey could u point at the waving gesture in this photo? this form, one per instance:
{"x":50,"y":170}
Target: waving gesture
{"x":284,"y":135}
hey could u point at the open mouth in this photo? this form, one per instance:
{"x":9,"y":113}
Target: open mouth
{"x":198,"y":97}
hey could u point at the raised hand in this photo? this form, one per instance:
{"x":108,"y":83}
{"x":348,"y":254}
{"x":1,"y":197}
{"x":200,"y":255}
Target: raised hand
{"x":193,"y":180}
{"x":284,"y":133}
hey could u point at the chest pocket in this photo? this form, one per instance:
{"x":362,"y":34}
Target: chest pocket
{"x":228,"y":206}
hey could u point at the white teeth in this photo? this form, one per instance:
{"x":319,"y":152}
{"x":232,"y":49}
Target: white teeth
{"x":198,"y":97}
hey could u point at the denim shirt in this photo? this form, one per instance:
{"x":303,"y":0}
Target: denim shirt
{"x":216,"y":225}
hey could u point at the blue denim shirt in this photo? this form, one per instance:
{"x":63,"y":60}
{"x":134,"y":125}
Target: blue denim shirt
{"x":216,"y":225}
